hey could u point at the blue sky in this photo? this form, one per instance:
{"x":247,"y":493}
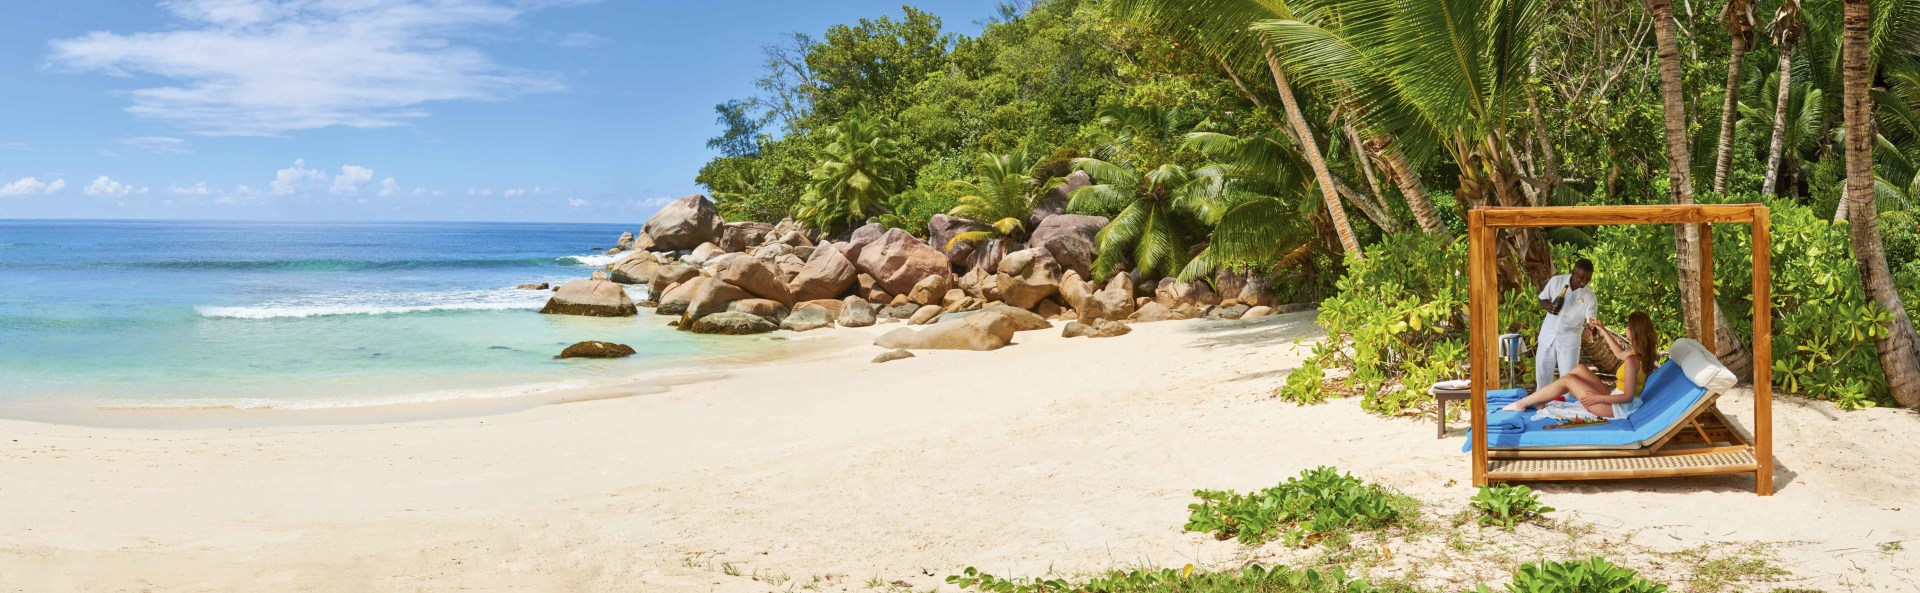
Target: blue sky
{"x":528,"y":110}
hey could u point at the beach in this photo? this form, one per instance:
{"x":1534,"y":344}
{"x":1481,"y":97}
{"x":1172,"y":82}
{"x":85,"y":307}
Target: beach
{"x":829,"y":472}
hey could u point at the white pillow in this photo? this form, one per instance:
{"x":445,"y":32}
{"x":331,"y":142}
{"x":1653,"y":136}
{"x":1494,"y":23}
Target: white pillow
{"x":1701,"y":366}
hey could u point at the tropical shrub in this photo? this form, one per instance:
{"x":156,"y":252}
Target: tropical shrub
{"x":1252,"y":579}
{"x":856,"y":176}
{"x":1589,"y":576}
{"x":1305,"y":384}
{"x":1507,"y":504}
{"x":1319,"y":503}
{"x":998,"y":197}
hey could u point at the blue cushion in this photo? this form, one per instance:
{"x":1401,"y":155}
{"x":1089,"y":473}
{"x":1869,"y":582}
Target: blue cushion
{"x":1668,"y":395}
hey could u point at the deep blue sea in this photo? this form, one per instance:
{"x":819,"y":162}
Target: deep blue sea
{"x":107,"y":314}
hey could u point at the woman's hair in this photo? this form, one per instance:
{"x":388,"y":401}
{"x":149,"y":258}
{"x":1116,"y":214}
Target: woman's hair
{"x":1640,"y":332}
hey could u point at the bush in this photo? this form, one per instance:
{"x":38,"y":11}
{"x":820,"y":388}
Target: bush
{"x":1320,"y":503}
{"x":1252,"y":579}
{"x":1506,"y":505}
{"x":1591,"y":576}
{"x":1305,"y":385}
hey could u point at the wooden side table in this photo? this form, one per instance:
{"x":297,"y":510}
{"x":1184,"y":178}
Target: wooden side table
{"x":1440,"y":398}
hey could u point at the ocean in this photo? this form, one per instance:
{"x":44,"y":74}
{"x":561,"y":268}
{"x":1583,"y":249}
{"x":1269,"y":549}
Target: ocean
{"x":244,"y":315}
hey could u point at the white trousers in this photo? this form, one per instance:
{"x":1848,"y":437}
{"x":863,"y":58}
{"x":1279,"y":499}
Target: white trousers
{"x":1554,"y":357}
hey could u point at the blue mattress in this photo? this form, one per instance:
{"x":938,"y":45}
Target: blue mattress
{"x":1667,"y":397}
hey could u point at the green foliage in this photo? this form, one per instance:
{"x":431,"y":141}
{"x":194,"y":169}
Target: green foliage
{"x":1590,"y":576}
{"x":1305,"y":385}
{"x":999,"y":196}
{"x":858,"y":174}
{"x":1824,"y":338}
{"x":1506,"y":505}
{"x":1320,"y":503}
{"x":875,"y":60}
{"x":1398,"y":321}
{"x":1252,"y":579}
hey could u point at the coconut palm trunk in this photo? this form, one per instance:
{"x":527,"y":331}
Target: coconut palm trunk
{"x":1310,"y":150}
{"x":1408,"y":181}
{"x":1776,"y":145}
{"x":1739,"y":20}
{"x":1732,"y":349}
{"x":1899,"y":349}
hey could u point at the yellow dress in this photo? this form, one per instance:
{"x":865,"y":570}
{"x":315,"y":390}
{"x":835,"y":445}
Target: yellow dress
{"x":1620,"y":380}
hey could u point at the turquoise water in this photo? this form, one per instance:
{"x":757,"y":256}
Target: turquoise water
{"x":109,"y":314}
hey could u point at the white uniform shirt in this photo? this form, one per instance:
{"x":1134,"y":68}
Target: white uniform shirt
{"x":1580,"y":306}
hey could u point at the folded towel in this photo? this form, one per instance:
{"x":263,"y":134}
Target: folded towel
{"x":1506,"y":423}
{"x":1501,"y":397}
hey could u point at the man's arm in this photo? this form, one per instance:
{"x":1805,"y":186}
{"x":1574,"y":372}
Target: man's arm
{"x":1548,"y":305}
{"x":1546,"y":295}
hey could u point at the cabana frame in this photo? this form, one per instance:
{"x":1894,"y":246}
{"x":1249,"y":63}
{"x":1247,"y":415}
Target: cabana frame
{"x":1740,"y":455}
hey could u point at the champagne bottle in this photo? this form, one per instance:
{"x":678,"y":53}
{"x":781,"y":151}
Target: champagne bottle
{"x":1560,"y":302}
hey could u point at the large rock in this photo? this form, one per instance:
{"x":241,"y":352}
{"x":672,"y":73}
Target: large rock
{"x":593,"y":298}
{"x":1069,"y":239}
{"x":930,"y":290}
{"x":1054,"y":202}
{"x":827,"y":275}
{"x":738,"y":237}
{"x":703,"y":254}
{"x":900,"y":312}
{"x":596,"y":350}
{"x":1027,"y":277}
{"x":667,"y":275}
{"x":1174,"y":294}
{"x":1023,"y":320}
{"x":858,"y":313}
{"x":892,"y":355}
{"x":897,"y":261}
{"x":941,"y":229}
{"x":1073,"y":289}
{"x":790,"y":232}
{"x":757,"y":279}
{"x":1257,"y":291}
{"x":987,"y":254}
{"x":924,"y":315}
{"x":770,"y":310}
{"x":1100,"y":328}
{"x":1258,"y":312}
{"x":732,"y":323}
{"x":703,"y":296}
{"x":1154,"y":311}
{"x":983,"y":331}
{"x":683,"y":224}
{"x":625,"y":243}
{"x":1114,"y":304}
{"x":866,"y":234}
{"x":1228,"y":312}
{"x":635,"y":268}
{"x":808,"y":317}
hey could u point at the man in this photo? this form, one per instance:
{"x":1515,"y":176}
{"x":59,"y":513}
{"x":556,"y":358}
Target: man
{"x":1569,"y":303}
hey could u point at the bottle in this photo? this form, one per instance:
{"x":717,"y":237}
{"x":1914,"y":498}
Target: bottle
{"x":1560,"y":302}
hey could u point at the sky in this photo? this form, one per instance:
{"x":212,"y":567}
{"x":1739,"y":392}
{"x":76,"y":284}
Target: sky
{"x":497,"y":110}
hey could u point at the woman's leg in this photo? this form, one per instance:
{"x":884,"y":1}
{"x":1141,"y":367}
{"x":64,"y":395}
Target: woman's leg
{"x":1546,"y":394}
{"x":1598,"y":409}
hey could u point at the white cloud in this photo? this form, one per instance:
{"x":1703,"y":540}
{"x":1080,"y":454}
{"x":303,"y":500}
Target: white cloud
{"x":198,"y":189}
{"x":386,"y":187}
{"x":578,"y":203}
{"x":514,"y":193}
{"x":156,"y":144}
{"x":350,"y":178}
{"x":580,"y":40}
{"x":419,"y":191}
{"x":105,"y":186}
{"x":29,"y":186}
{"x":294,"y":179}
{"x":267,"y":67}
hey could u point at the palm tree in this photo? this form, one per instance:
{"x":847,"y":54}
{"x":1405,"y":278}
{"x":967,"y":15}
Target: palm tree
{"x":1253,"y":222}
{"x":1738,"y":17}
{"x":1899,"y":347}
{"x":1162,"y":215}
{"x":999,"y":197}
{"x":856,"y":174}
{"x":1786,"y":31}
{"x":1799,"y":124}
{"x":1219,"y":27}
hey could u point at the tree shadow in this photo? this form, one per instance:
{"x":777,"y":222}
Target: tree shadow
{"x":1271,"y":331}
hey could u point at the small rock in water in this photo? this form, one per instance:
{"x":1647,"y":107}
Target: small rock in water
{"x":892,"y":355}
{"x":538,"y":286}
{"x":592,"y":349}
{"x":499,"y":348}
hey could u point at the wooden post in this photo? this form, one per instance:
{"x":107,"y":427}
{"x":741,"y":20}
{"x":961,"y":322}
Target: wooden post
{"x":1480,"y":291}
{"x":1762,"y":351}
{"x":1706,"y":287}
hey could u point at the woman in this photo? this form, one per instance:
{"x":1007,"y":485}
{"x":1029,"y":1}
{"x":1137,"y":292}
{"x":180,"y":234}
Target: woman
{"x":1616,"y":401}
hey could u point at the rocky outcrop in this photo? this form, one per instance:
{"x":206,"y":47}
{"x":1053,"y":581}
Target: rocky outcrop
{"x":1023,"y":320}
{"x":1054,"y":202}
{"x":897,"y":261}
{"x":941,"y":229}
{"x":755,"y":278}
{"x":901,"y":312}
{"x":1114,"y":303}
{"x":625,"y":243}
{"x":736,"y":237}
{"x":763,"y":308}
{"x":1100,"y":328}
{"x":534,"y":286}
{"x":668,"y":275}
{"x":593,"y":298}
{"x":1154,"y":311}
{"x":683,"y":224}
{"x":636,"y":268}
{"x":808,"y":317}
{"x":984,"y":331}
{"x":858,"y":313}
{"x":1074,"y":290}
{"x":732,"y":323}
{"x":703,"y":254}
{"x":892,"y":355}
{"x":866,"y":234}
{"x":924,"y":315}
{"x":828,"y":274}
{"x":702,"y":296}
{"x":1228,"y":312}
{"x":596,"y":350}
{"x":1258,"y":312}
{"x":1027,"y":277}
{"x":1069,"y":239}
{"x":930,"y":290}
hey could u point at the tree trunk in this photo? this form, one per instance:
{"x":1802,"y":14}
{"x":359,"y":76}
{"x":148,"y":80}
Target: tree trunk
{"x":1739,"y":28}
{"x":1776,"y":146}
{"x":1549,"y":159}
{"x":1899,"y":352}
{"x":1310,"y":149}
{"x":1732,"y":348}
{"x":1410,"y":188}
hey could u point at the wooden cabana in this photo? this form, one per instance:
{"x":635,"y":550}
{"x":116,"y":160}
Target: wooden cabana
{"x":1705,"y":443}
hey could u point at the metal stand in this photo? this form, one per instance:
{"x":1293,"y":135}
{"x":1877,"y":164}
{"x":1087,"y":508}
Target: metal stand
{"x":1511,"y":347}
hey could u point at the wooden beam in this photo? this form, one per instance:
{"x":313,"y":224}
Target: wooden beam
{"x":1706,"y":311}
{"x":1481,"y":289}
{"x":1762,"y":351}
{"x":1520,"y":217}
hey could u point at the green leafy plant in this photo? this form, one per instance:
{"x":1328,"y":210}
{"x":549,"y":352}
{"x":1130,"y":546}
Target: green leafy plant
{"x":1252,"y":579}
{"x":1595,"y":575}
{"x":1305,"y":385}
{"x":1319,"y":503}
{"x":1507,"y":504}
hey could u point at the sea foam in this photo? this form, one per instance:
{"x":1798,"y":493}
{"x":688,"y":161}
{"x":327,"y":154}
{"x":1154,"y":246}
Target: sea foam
{"x":379,"y":303}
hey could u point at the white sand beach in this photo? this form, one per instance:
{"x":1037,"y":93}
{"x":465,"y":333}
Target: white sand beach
{"x":1051,"y":456}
